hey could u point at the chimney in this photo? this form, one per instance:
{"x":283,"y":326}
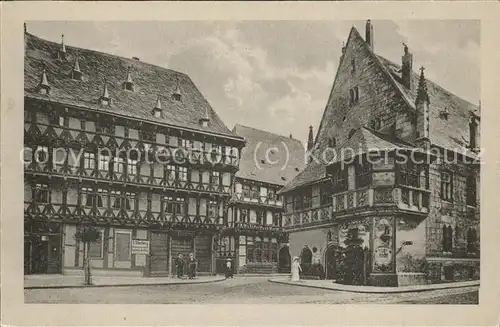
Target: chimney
{"x":407,"y":67}
{"x":310,"y":140}
{"x":291,"y":136}
{"x":136,"y":58}
{"x":369,"y":33}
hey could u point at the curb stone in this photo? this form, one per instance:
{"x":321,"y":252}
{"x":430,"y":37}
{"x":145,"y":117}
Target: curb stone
{"x":124,"y":285}
{"x":403,"y":289}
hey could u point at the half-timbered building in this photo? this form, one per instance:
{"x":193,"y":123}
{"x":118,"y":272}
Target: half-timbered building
{"x":132,"y":148}
{"x":254,"y":235}
{"x":364,"y":212}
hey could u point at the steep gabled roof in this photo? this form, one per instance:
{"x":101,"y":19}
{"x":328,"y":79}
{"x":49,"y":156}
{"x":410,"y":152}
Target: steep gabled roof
{"x":285,"y":156}
{"x":449,"y":134}
{"x":150,"y":81}
{"x":363,"y":140}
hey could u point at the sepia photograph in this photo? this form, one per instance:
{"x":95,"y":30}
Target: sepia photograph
{"x":252,"y":162}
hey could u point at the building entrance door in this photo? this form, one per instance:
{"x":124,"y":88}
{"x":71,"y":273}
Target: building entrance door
{"x":43,"y":253}
{"x":330,"y":262}
{"x":159,"y":253}
{"x":284,"y":263}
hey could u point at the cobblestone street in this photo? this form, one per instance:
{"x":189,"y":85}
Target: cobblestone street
{"x":240,"y":290}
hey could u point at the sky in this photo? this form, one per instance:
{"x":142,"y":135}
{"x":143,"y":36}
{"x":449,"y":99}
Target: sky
{"x":277,"y":75}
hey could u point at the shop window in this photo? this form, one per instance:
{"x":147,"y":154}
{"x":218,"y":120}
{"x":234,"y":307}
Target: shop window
{"x":447,"y":186}
{"x":447,"y":239}
{"x":41,"y":193}
{"x":471,"y":190}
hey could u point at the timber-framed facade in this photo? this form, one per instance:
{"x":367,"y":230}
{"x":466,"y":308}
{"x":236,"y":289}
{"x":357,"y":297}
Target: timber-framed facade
{"x":126,"y":146}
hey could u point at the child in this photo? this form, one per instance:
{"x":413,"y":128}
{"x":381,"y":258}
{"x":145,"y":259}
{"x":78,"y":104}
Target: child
{"x":192,"y":266}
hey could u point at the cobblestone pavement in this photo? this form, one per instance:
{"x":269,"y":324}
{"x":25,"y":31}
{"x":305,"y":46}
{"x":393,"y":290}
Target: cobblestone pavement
{"x":240,"y":290}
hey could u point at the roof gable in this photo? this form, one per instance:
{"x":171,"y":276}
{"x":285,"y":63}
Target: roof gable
{"x":269,"y":157}
{"x":150,"y":83}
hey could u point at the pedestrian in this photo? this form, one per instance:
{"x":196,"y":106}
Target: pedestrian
{"x":229,"y":269}
{"x":192,"y":265}
{"x":179,"y":265}
{"x":296,"y":269}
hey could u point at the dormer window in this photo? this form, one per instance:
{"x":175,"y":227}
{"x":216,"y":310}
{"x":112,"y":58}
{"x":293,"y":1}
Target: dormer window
{"x":157,"y":110}
{"x":177,"y":95}
{"x":105,"y":100}
{"x":76,"y":73}
{"x":128,"y":84}
{"x":44,"y":87}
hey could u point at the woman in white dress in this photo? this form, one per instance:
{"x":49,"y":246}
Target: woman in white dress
{"x":296,"y":269}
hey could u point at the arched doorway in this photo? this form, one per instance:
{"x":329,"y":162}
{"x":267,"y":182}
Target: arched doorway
{"x":306,"y":260}
{"x":330,"y":262}
{"x":284,"y":262}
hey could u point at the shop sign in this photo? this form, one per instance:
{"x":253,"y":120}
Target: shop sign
{"x":140,"y":247}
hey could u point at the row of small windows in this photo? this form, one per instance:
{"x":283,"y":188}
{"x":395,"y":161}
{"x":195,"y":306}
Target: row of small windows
{"x":132,"y":133}
{"x":130,"y":167}
{"x":256,"y":192}
{"x":115,"y":199}
{"x":260,"y":218}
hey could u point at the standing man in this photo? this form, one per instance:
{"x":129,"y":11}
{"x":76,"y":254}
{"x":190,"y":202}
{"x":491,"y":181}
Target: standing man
{"x":229,"y":270}
{"x":179,"y":265}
